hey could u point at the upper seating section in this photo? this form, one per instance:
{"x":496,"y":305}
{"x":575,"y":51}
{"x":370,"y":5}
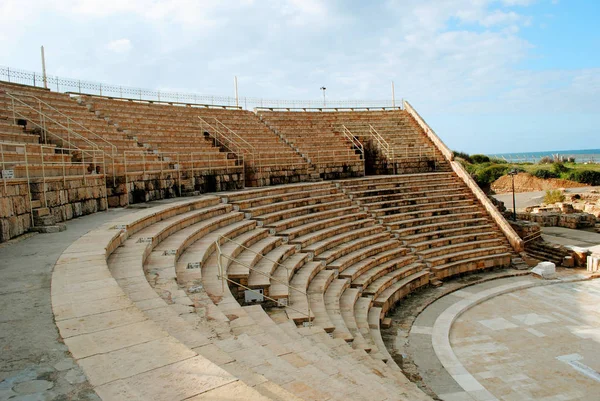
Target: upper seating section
{"x":64,"y":123}
{"x":397,"y":128}
{"x":394,"y":132}
{"x":316,"y":134}
{"x":171,"y":128}
{"x":35,"y":146}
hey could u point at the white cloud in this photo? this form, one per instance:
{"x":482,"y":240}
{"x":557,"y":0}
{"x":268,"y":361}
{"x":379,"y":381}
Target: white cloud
{"x":119,"y":46}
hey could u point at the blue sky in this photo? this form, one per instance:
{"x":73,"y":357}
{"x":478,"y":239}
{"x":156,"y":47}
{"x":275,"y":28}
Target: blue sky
{"x":489,"y":76}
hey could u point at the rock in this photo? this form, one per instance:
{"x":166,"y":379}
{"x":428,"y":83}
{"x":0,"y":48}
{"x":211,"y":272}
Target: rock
{"x":75,"y":376}
{"x":33,"y":386}
{"x":65,"y":364}
{"x":545,"y":270}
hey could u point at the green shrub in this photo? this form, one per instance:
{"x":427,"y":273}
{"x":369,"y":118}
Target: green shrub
{"x":590,"y":177}
{"x":553,"y":196}
{"x":544,"y":174}
{"x":559,"y":167}
{"x":546,"y":160}
{"x":485,"y":174}
{"x":496,"y":160}
{"x":462,"y":155}
{"x":478,"y":159}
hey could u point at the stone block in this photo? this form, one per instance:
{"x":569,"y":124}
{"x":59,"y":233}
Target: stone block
{"x":114,"y":201}
{"x":4,"y":230}
{"x":545,"y":270}
{"x":77,"y":209}
{"x":568,"y":261}
{"x":6,"y":207}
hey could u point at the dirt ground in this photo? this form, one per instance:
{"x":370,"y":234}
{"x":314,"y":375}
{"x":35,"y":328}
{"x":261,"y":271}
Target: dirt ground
{"x":525,"y":182}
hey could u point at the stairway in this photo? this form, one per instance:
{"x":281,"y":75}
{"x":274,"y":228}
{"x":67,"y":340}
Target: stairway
{"x":545,"y":251}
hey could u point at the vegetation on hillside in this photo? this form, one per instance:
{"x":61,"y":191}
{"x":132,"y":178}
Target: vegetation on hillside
{"x":486,"y":170}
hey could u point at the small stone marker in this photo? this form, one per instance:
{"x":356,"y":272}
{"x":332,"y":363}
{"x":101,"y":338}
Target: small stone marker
{"x":545,"y":270}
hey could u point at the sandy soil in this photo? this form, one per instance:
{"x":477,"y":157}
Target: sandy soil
{"x":525,"y":182}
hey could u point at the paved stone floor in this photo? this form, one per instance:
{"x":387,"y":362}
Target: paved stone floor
{"x":541,"y":343}
{"x":35,"y":365}
{"x":567,"y":236}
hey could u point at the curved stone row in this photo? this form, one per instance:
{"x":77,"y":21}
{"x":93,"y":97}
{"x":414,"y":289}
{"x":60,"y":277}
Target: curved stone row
{"x":336,"y":255}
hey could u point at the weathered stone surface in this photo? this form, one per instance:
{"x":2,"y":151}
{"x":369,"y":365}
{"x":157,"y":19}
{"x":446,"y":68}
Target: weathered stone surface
{"x":545,"y":270}
{"x":33,"y":386}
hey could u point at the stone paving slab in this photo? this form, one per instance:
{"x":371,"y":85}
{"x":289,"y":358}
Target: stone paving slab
{"x":35,"y":363}
{"x":437,"y":362}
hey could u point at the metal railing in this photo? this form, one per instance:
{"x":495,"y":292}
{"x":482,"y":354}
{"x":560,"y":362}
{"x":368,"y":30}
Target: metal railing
{"x":69,"y":120}
{"x":230,"y":139}
{"x":64,"y":85}
{"x":354,"y":140}
{"x":260,"y":160}
{"x":387,"y":151}
{"x":223,"y":274}
{"x":45,"y":120}
{"x":333,"y":157}
{"x":360,"y":105}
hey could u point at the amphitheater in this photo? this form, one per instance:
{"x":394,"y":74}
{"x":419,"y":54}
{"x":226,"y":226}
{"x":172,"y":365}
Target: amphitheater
{"x":259,"y":254}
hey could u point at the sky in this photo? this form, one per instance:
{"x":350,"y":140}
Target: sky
{"x":489,"y":76}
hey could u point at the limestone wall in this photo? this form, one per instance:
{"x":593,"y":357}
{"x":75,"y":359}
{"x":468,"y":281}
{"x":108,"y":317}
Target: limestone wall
{"x":275,"y":176}
{"x":149,"y":186}
{"x":15,"y":214}
{"x":65,"y":199}
{"x":556,"y":219}
{"x":71,"y":197}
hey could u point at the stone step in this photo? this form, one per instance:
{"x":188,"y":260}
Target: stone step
{"x":373,"y":281}
{"x":280,"y":284}
{"x":478,"y":263}
{"x":347,"y":302}
{"x":343,"y":238}
{"x":40,"y":212}
{"x":344,"y":249}
{"x":350,"y":259}
{"x":317,"y":235}
{"x":370,"y":263}
{"x":248,"y":258}
{"x":260,"y":276}
{"x":298,"y":300}
{"x":332,"y":304}
{"x":399,"y":289}
{"x":252,"y":205}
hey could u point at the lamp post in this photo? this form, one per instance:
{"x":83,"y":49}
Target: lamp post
{"x":512,"y":174}
{"x":324,"y":89}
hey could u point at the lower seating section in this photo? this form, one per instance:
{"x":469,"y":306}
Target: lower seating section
{"x":278,"y":290}
{"x":162,"y":322}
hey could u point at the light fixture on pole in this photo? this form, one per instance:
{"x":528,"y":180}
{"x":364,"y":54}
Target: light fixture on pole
{"x":512,"y":174}
{"x":324,"y":101}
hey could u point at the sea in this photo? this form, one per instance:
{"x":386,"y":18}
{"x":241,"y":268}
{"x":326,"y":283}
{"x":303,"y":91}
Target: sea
{"x":581,"y":155}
